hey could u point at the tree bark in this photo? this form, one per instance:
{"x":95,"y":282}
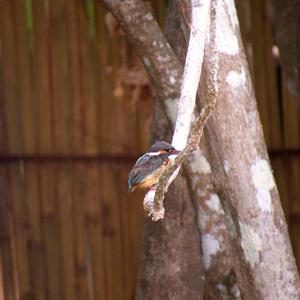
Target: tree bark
{"x":256,"y":234}
{"x":244,"y":180}
{"x":220,"y":279}
{"x":237,"y":150}
{"x":186,"y":138}
{"x":170,"y":266}
{"x":166,"y":269}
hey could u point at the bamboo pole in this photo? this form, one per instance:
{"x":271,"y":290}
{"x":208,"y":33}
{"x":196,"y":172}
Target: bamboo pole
{"x":291,"y":119}
{"x":21,"y":228}
{"x":42,"y":75}
{"x":10,"y":86}
{"x":66,"y":234}
{"x":82,"y":265}
{"x":58,"y":78}
{"x":87,"y":86}
{"x":96,"y":252}
{"x":110,"y":215}
{"x":76,"y":101}
{"x":8,"y":263}
{"x":24,"y":76}
{"x":50,"y":227}
{"x":104,"y":73}
{"x":36,"y":244}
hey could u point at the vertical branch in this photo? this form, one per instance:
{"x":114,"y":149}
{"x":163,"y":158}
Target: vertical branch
{"x":192,"y":71}
{"x":200,"y":20}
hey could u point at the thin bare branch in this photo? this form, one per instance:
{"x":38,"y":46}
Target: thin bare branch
{"x":200,"y":18}
{"x":155,"y":207}
{"x":138,"y":23}
{"x":189,"y":89}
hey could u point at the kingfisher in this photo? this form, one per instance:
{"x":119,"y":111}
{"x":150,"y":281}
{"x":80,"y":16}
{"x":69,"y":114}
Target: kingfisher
{"x":147,"y":169}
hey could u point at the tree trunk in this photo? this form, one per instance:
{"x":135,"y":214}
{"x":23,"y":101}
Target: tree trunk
{"x":170,"y":266}
{"x":244,"y":180}
{"x":220,"y":281}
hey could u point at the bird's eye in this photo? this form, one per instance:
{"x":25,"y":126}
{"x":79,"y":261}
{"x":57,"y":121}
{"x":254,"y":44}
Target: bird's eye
{"x":167,"y":149}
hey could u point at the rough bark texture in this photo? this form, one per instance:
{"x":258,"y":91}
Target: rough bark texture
{"x":170,"y":266}
{"x":153,"y":201}
{"x":256,"y":224}
{"x":244,"y":180}
{"x":220,"y":280}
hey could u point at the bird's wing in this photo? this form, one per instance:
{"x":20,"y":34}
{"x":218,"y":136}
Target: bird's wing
{"x":139,"y":172}
{"x":144,"y":167}
{"x":142,"y":160}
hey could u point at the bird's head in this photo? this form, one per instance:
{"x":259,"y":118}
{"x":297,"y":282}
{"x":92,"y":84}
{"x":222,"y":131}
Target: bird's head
{"x":162,"y":147}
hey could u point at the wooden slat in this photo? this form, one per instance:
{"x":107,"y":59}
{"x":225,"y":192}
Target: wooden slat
{"x":10,"y":84}
{"x":293,"y":185}
{"x":3,"y":129}
{"x":8,"y":266}
{"x":111,"y":233}
{"x":260,"y":71}
{"x":131,"y":226}
{"x":76,"y":101}
{"x":36,"y":243}
{"x":92,"y":194}
{"x":50,"y":226}
{"x":58,"y":69}
{"x":105,"y":111}
{"x":9,"y":289}
{"x":120,"y":124}
{"x":1,"y":279}
{"x":128,"y":254}
{"x":256,"y":26}
{"x":27,"y":113}
{"x":88,"y":64}
{"x":21,"y":228}
{"x":74,"y":10}
{"x":294,"y":229}
{"x":65,"y":207}
{"x":291,"y":119}
{"x":275,"y":139}
{"x":41,"y":30}
{"x":82,"y":267}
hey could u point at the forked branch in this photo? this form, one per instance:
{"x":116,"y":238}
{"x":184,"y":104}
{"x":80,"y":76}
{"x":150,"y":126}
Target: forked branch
{"x":153,"y":201}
